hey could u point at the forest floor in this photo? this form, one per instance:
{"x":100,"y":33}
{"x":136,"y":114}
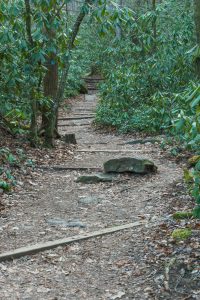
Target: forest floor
{"x":143,"y":262}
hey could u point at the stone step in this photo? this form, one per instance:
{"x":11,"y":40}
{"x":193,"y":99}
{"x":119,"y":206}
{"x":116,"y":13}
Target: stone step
{"x":92,"y":83}
{"x":90,"y":79}
{"x":83,"y":114}
{"x":75,"y":118}
{"x":72,"y":125}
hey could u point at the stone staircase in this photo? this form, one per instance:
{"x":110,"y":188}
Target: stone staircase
{"x":92,"y":83}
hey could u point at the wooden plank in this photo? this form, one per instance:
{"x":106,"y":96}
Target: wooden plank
{"x":92,"y":108}
{"x":72,"y":125}
{"x":92,"y":79}
{"x":112,"y":151}
{"x":66,"y":168}
{"x":83,"y":114}
{"x":75,"y":118}
{"x":86,"y":110}
{"x":61,"y":242}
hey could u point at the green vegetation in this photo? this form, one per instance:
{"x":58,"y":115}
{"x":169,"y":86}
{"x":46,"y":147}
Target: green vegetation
{"x":147,"y":75}
{"x":181,"y":234}
{"x":152,"y":77}
{"x":179,"y":215}
{"x":147,"y":52}
{"x":8,"y":161}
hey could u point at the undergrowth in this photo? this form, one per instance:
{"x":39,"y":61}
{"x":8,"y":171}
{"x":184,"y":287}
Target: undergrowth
{"x":150,"y":86}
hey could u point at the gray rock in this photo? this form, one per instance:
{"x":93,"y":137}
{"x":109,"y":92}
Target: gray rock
{"x":1,"y":191}
{"x":63,"y":223}
{"x":95,"y":178}
{"x":83,"y":89}
{"x":76,"y":223}
{"x":69,"y":138}
{"x":129,"y":164}
{"x":90,"y":200}
{"x":140,"y":141}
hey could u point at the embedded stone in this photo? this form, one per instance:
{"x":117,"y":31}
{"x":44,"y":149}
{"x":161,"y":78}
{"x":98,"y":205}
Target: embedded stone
{"x":70,"y":138}
{"x":64,"y":223}
{"x":94,"y":178}
{"x":89,"y":200}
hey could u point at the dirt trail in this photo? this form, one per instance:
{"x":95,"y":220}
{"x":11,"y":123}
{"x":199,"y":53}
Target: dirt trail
{"x":109,"y":267}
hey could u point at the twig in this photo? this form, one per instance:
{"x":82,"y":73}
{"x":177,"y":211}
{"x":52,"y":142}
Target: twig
{"x":167,"y":270}
{"x":182,"y":271}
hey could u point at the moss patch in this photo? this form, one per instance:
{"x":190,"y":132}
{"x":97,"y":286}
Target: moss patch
{"x":179,"y":215}
{"x":181,"y":234}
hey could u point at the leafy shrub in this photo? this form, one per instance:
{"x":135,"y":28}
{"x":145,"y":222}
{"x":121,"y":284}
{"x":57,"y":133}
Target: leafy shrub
{"x":179,"y":215}
{"x":7,"y":161}
{"x":143,"y":80}
{"x":152,"y":87}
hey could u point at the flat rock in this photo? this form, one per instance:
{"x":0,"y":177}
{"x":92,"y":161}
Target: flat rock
{"x":140,"y":141}
{"x":95,"y":178}
{"x":64,"y":223}
{"x":69,"y":138}
{"x":129,"y":164}
{"x":90,"y":200}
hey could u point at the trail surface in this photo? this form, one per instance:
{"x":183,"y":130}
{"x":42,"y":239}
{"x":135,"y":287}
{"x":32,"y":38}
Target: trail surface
{"x":55,"y":206}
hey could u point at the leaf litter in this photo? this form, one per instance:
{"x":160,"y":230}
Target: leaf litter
{"x":142,"y":263}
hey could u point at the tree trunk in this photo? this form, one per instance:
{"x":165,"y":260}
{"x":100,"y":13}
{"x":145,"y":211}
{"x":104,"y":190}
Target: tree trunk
{"x":33,"y":129}
{"x":64,"y":75}
{"x":197,"y":22}
{"x":50,"y":90}
{"x":154,"y":23}
{"x":57,"y":91}
{"x":118,"y":29}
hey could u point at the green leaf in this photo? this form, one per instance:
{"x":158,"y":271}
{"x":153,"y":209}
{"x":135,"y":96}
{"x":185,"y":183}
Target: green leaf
{"x":195,"y":102}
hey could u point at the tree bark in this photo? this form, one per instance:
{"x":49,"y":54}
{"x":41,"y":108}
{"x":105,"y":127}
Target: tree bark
{"x":154,"y":23}
{"x":61,"y":87}
{"x":72,"y":38}
{"x":50,"y":85}
{"x":50,"y":90}
{"x":197,"y":23}
{"x":118,"y":29}
{"x":33,"y":129}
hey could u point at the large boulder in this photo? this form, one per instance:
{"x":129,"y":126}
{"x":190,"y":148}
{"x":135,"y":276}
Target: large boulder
{"x":129,"y":164}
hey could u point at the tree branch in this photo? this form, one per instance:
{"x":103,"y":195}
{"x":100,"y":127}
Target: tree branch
{"x":28,"y":22}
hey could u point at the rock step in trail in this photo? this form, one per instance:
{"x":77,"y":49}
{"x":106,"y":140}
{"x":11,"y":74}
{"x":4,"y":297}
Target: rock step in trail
{"x":92,"y":84}
{"x":101,"y":224}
